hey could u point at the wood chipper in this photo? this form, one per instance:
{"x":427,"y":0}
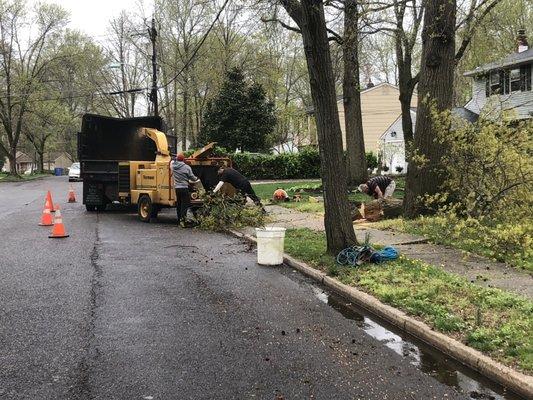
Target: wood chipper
{"x":152,"y":183}
{"x":135,"y":168}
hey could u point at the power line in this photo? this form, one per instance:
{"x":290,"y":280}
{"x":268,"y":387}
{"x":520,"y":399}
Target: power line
{"x":197,"y":48}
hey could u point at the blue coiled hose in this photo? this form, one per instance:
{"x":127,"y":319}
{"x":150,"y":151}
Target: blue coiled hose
{"x":356,"y":255}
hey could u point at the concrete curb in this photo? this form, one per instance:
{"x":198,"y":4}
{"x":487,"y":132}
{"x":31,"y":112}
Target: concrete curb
{"x":519,"y":383}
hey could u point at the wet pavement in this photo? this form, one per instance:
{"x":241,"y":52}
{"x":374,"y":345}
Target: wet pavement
{"x":126,"y":310}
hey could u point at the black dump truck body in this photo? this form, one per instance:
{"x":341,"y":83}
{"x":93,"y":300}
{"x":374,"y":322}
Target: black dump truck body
{"x":102,"y":144}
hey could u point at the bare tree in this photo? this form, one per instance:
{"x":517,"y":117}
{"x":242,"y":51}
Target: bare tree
{"x":351,"y":87}
{"x":309,"y":16}
{"x":435,"y":93}
{"x":405,"y":38}
{"x":127,"y":69}
{"x":23,"y":64}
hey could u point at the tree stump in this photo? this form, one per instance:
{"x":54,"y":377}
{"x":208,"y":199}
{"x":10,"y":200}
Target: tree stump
{"x":376,"y":210}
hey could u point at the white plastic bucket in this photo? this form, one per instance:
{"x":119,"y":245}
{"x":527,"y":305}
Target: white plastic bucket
{"x":270,"y":244}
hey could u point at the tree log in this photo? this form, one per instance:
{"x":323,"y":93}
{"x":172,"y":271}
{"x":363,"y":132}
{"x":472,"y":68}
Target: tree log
{"x":376,"y":210}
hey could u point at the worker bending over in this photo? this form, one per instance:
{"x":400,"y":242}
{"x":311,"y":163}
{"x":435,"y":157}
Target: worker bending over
{"x":239,"y":182}
{"x":379,"y":186}
{"x":183,"y":176}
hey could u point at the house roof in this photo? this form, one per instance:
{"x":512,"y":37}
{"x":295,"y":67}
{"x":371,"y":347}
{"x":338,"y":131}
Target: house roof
{"x":462,"y":112}
{"x":465,"y":113}
{"x":54,"y":155}
{"x":22,"y":157}
{"x":514,"y":59}
{"x":311,"y":109}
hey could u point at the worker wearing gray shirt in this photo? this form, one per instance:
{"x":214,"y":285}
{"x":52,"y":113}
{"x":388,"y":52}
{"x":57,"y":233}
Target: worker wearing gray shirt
{"x":183,"y":175}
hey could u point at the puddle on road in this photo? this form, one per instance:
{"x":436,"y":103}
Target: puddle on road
{"x":427,"y":359}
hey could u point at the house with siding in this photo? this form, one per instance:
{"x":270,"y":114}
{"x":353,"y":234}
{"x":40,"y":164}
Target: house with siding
{"x":505,"y":85}
{"x":51,"y":160}
{"x":500,"y":86}
{"x":380,"y":107}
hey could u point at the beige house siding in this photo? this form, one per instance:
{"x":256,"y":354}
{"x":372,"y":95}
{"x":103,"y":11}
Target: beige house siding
{"x":380,"y":107}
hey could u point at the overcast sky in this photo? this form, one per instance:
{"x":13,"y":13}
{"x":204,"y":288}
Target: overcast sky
{"x":92,"y":16}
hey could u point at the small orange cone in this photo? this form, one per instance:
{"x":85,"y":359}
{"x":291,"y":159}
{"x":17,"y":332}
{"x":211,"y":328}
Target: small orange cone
{"x":71,"y":195}
{"x":49,"y":201}
{"x":56,"y":207}
{"x":58,"y":231}
{"x":46,"y":218}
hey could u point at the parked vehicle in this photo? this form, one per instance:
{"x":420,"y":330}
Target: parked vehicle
{"x":74,"y":172}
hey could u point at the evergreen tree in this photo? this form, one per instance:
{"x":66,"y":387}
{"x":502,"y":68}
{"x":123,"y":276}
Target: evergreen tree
{"x":240,"y":116}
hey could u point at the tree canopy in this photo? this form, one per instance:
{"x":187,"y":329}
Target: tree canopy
{"x":239,"y":116}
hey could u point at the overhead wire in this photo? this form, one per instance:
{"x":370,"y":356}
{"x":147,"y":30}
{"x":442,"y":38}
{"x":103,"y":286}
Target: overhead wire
{"x":197,"y":48}
{"x":136,"y":90}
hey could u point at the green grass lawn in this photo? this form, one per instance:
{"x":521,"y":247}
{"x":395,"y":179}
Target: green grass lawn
{"x":4,"y":177}
{"x":265,"y":191}
{"x":493,"y":321}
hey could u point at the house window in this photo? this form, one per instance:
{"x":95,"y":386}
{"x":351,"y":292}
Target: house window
{"x":525,"y":78}
{"x":393,"y":134}
{"x":514,"y":79}
{"x":494,"y":84}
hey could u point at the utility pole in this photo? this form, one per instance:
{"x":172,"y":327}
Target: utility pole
{"x":152,"y":32}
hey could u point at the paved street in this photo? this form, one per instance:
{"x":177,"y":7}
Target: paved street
{"x":126,"y":310}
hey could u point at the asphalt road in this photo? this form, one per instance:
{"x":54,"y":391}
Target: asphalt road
{"x":126,"y":310}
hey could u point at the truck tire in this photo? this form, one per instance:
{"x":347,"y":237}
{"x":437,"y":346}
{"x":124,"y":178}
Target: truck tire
{"x":146,"y":209}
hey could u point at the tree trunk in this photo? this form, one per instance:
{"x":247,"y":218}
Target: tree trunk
{"x":40,"y":154}
{"x":406,"y":96}
{"x":185,"y":118}
{"x":309,"y":15}
{"x":355,"y":145}
{"x":12,"y":157}
{"x":435,"y":89}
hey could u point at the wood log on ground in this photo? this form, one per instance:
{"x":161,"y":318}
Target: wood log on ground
{"x":376,"y":210}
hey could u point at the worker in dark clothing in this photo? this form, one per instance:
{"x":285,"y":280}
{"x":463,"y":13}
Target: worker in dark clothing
{"x":183,"y":175}
{"x":379,"y":186}
{"x":239,"y":182}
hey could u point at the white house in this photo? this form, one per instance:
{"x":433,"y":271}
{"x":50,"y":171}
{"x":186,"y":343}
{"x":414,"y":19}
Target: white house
{"x":505,"y":85}
{"x":391,"y":145}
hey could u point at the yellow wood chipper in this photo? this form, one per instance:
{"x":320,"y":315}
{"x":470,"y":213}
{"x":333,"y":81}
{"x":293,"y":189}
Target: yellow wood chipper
{"x":127,"y":161}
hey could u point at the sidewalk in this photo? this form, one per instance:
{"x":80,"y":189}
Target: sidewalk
{"x":477,"y":269}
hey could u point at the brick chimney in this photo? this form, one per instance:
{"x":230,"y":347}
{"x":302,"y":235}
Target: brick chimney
{"x":522,"y":40}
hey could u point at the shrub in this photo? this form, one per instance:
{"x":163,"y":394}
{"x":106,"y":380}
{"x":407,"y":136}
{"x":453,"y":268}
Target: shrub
{"x":371,"y":160}
{"x":486,"y":200}
{"x":302,"y":165}
{"x":488,"y":168}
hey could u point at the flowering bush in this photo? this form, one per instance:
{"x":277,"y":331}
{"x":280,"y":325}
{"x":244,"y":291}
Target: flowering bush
{"x":488,"y":168}
{"x":486,"y":201}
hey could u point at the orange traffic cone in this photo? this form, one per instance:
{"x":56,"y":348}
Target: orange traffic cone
{"x":49,"y":201}
{"x":71,"y":195}
{"x":47,"y":205}
{"x":58,"y":231}
{"x":46,"y":218}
